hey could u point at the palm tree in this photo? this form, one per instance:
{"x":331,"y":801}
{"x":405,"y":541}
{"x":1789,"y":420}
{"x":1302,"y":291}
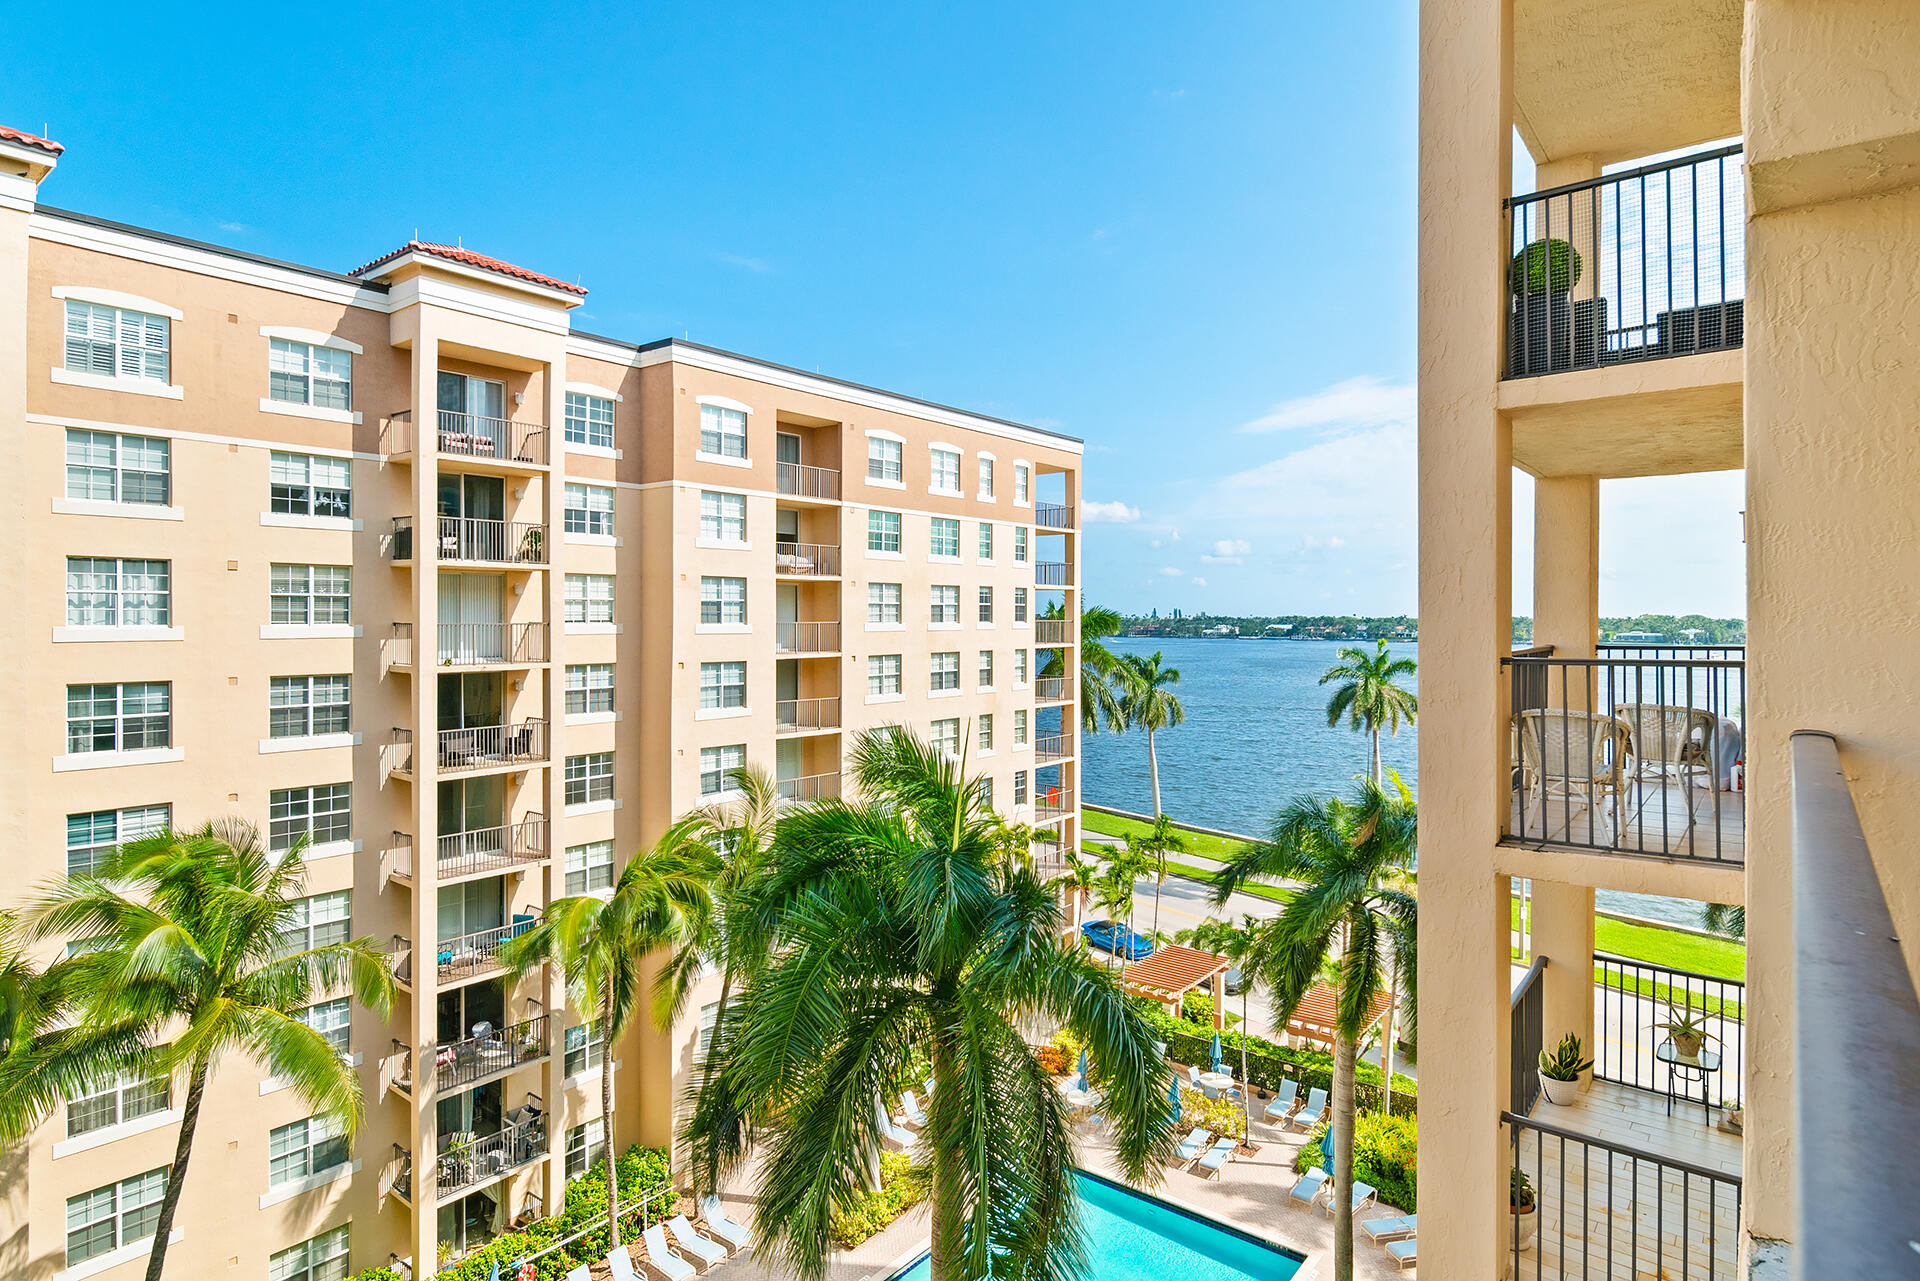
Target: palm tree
{"x":1147,"y":702}
{"x":1368,"y":697}
{"x":1235,"y":942}
{"x":1728,"y":920}
{"x":740,"y":840}
{"x":1078,"y":878}
{"x":661,"y":901}
{"x":1099,"y":704}
{"x":1113,"y":894}
{"x":1347,"y":858}
{"x":1152,"y":847}
{"x":197,"y":949}
{"x":898,"y":939}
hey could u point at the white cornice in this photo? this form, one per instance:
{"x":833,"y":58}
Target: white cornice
{"x":458,"y":296}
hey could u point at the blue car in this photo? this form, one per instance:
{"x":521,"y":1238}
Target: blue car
{"x":1111,"y":936}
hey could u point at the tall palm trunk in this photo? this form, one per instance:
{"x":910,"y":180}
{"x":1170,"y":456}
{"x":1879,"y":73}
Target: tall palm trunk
{"x":1153,"y":771}
{"x":177,"y":1176}
{"x":606,"y":1117}
{"x":1387,"y":1035}
{"x":1375,"y":758}
{"x":947,"y":1169}
{"x":1159,"y":876}
{"x":1344,"y":1053}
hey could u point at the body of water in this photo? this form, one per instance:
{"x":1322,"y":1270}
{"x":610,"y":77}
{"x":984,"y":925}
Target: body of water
{"x":1255,"y":736}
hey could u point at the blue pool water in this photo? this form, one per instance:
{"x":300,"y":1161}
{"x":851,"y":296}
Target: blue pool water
{"x":1131,"y":1237}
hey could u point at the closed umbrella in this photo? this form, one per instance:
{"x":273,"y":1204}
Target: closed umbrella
{"x":1326,"y":1151}
{"x":1083,"y":1070}
{"x":1173,"y":1097}
{"x":1216,"y":1051}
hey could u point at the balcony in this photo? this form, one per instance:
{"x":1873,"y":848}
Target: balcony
{"x":468,"y":541}
{"x":473,"y":1060}
{"x":806,"y":715}
{"x":1051,"y":803}
{"x":820,"y":484}
{"x":476,"y":646}
{"x":1053,"y":573}
{"x":1629,"y":267}
{"x":1052,"y":689}
{"x":466,"y":957}
{"x":1052,"y":516}
{"x":806,"y":560}
{"x":501,"y":444}
{"x":477,"y":749}
{"x":807,"y":787}
{"x":1054,"y":747}
{"x":1052,"y":631}
{"x":490,"y":851}
{"x":476,"y":1161}
{"x":806,"y":638}
{"x":1639,"y":751}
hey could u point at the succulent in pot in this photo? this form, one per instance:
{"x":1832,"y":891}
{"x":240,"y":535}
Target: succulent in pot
{"x":1687,"y":1030}
{"x":1560,"y":1071}
{"x":1520,"y":1204}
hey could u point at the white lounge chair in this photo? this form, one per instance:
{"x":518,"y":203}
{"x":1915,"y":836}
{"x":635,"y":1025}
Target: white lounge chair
{"x":1309,"y":1116}
{"x":1217,"y":1157}
{"x":1307,"y":1189}
{"x":690,"y":1242}
{"x":582,"y":1273}
{"x":1404,"y":1252}
{"x":620,"y":1264}
{"x":1190,"y":1146}
{"x":1363,"y":1193}
{"x":720,"y":1227}
{"x":910,"y":1108}
{"x":894,"y":1132}
{"x":1400,"y":1225}
{"x":665,"y":1261}
{"x":929,"y":1084}
{"x":1285,"y":1101}
{"x":1193,"y":1076}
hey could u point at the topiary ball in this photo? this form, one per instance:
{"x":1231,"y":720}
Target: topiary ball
{"x":1545,"y":266}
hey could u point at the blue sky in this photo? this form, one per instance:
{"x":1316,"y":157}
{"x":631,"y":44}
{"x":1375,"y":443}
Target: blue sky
{"x":1185,"y":234}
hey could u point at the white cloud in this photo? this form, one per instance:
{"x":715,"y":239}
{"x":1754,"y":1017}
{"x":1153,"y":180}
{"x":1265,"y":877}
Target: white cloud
{"x":1115,"y":513}
{"x":745,"y":262}
{"x":1154,"y":543}
{"x":1199,"y":582}
{"x":1360,"y":402}
{"x":1228,"y":551}
{"x":1336,"y":541}
{"x":1170,"y":572}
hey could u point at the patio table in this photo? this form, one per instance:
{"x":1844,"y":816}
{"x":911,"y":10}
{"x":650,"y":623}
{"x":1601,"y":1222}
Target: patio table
{"x":1687,"y":1071}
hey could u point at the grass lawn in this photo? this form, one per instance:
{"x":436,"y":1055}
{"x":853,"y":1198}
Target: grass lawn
{"x":1213,"y":847}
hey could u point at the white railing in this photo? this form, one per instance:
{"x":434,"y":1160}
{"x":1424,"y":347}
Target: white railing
{"x":806,"y":638}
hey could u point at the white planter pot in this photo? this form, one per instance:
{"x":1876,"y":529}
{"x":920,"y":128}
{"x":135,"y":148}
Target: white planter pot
{"x":1562,"y":1094}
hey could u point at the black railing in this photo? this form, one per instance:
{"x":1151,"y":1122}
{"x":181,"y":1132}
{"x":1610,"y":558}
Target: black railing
{"x":1053,"y":573}
{"x":1529,"y":1025}
{"x":1630,"y":753}
{"x":1607,"y":1210}
{"x":1630,"y":266}
{"x":473,"y":1058}
{"x":1856,"y":1038}
{"x":1629,"y":1049}
{"x":477,"y":747}
{"x":472,"y":1162}
{"x":1053,"y":515}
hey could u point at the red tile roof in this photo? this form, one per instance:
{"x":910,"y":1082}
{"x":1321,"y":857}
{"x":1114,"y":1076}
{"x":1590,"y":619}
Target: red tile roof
{"x":31,"y":140}
{"x":454,"y":253}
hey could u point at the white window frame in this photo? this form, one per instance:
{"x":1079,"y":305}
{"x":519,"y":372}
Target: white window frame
{"x":1019,"y":607}
{"x":723,"y":601}
{"x":323,"y":919}
{"x":333,"y":1020}
{"x":723,"y":685}
{"x":1022,"y":485}
{"x":986,"y":732}
{"x":132,"y":730}
{"x":723,"y":518}
{"x":944,"y":736}
{"x":589,"y":867}
{"x":983,"y":548}
{"x":883,"y":604}
{"x":943,"y":532}
{"x":140,"y":1195}
{"x":128,"y":823}
{"x":112,"y":600}
{"x":126,"y":1098}
{"x":311,"y":1260}
{"x":883,"y":675}
{"x":593,"y":683}
{"x":322,"y":705}
{"x":723,"y":432}
{"x":883,"y":533}
{"x":588,"y":420}
{"x":986,"y":669}
{"x":309,"y":485}
{"x":116,"y":342}
{"x":1019,"y":667}
{"x":1020,"y":537}
{"x":986,"y":607}
{"x":943,"y":671}
{"x":886,"y":458}
{"x":1019,"y":727}
{"x":132,"y":486}
{"x":295,"y":595}
{"x":943,"y":605}
{"x":323,"y":812}
{"x":716,"y":764}
{"x":986,"y":477}
{"x":587,"y":778}
{"x":587,"y":509}
{"x":309,"y":370}
{"x":943,"y":470}
{"x":1020,"y":787}
{"x":585,"y":1151}
{"x":588,"y":598}
{"x":311,"y":1147}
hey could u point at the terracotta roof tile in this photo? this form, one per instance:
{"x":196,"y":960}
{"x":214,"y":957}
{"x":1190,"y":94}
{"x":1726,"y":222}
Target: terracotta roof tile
{"x":453,"y":253}
{"x":47,"y":145}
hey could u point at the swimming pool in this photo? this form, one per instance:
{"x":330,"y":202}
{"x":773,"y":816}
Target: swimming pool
{"x":1131,"y":1237}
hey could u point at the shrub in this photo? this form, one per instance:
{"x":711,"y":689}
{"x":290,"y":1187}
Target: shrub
{"x":1053,"y":1060}
{"x":1197,"y":1007}
{"x":1268,"y":1063}
{"x":1223,"y":1116}
{"x":1545,"y":266}
{"x":1385,"y":1154}
{"x":903,"y":1185}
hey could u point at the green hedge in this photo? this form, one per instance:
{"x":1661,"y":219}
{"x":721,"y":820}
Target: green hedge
{"x":641,"y":1169}
{"x":1268,"y":1064}
{"x":1385,"y":1154}
{"x":903,"y":1185}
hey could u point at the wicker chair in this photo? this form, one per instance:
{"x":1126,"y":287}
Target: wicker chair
{"x":1669,"y":744}
{"x":1573,"y":760}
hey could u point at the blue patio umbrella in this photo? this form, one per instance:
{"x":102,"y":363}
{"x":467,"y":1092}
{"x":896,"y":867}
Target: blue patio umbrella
{"x":1216,"y":1051}
{"x":494,"y":1273}
{"x":1083,"y":1069}
{"x":1326,"y":1151}
{"x":1173,"y":1097}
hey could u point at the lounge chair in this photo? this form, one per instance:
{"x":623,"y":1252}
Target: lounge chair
{"x":1209,"y":1091}
{"x":1193,"y":1076}
{"x":929,"y":1084}
{"x":1285,"y":1101}
{"x":665,"y":1261}
{"x":582,"y":1273}
{"x":690,"y":1242}
{"x":1307,"y":1189}
{"x":620,"y":1264}
{"x":1309,"y":1116}
{"x":1363,"y":1193}
{"x":1190,"y":1146}
{"x":1400,"y":1225}
{"x":910,"y":1108}
{"x":1217,"y":1157}
{"x":1403,"y":1252}
{"x":720,"y":1227}
{"x":895,"y":1133}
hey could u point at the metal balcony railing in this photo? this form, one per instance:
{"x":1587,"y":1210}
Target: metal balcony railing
{"x":1528,"y":1031}
{"x":1053,"y":747}
{"x":1052,"y":689}
{"x":1053,"y":573}
{"x":1856,"y":1035}
{"x":475,"y":645}
{"x":1630,"y":266}
{"x":797,"y":715}
{"x":481,"y":436}
{"x":466,"y":955}
{"x":1052,"y":631}
{"x":474,"y":1058}
{"x":808,"y":787}
{"x":466,"y":540}
{"x":806,"y":560}
{"x":1053,"y":516}
{"x":474,"y":1162}
{"x":1051,"y":803}
{"x":806,"y":638}
{"x":1638,"y":751}
{"x":1632,"y":994}
{"x":801,"y":481}
{"x":478,"y":747}
{"x":485,"y":850}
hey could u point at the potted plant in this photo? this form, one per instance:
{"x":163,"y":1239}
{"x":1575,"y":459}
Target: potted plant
{"x":1540,"y":282}
{"x":1686,"y":1030}
{"x":1520,"y":1203}
{"x":1560,"y":1071}
{"x":530,"y":544}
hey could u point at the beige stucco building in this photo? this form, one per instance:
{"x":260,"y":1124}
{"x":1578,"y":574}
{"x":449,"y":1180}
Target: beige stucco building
{"x":1738,"y":182}
{"x":398,"y":559}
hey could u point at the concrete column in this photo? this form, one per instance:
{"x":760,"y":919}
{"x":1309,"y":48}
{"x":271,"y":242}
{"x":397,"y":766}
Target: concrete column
{"x":550,"y":586}
{"x":1465,"y":468}
{"x":422,"y":1025}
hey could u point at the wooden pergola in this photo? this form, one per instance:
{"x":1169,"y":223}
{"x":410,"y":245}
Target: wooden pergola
{"x":1314,"y":1018}
{"x":1173,"y":971}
